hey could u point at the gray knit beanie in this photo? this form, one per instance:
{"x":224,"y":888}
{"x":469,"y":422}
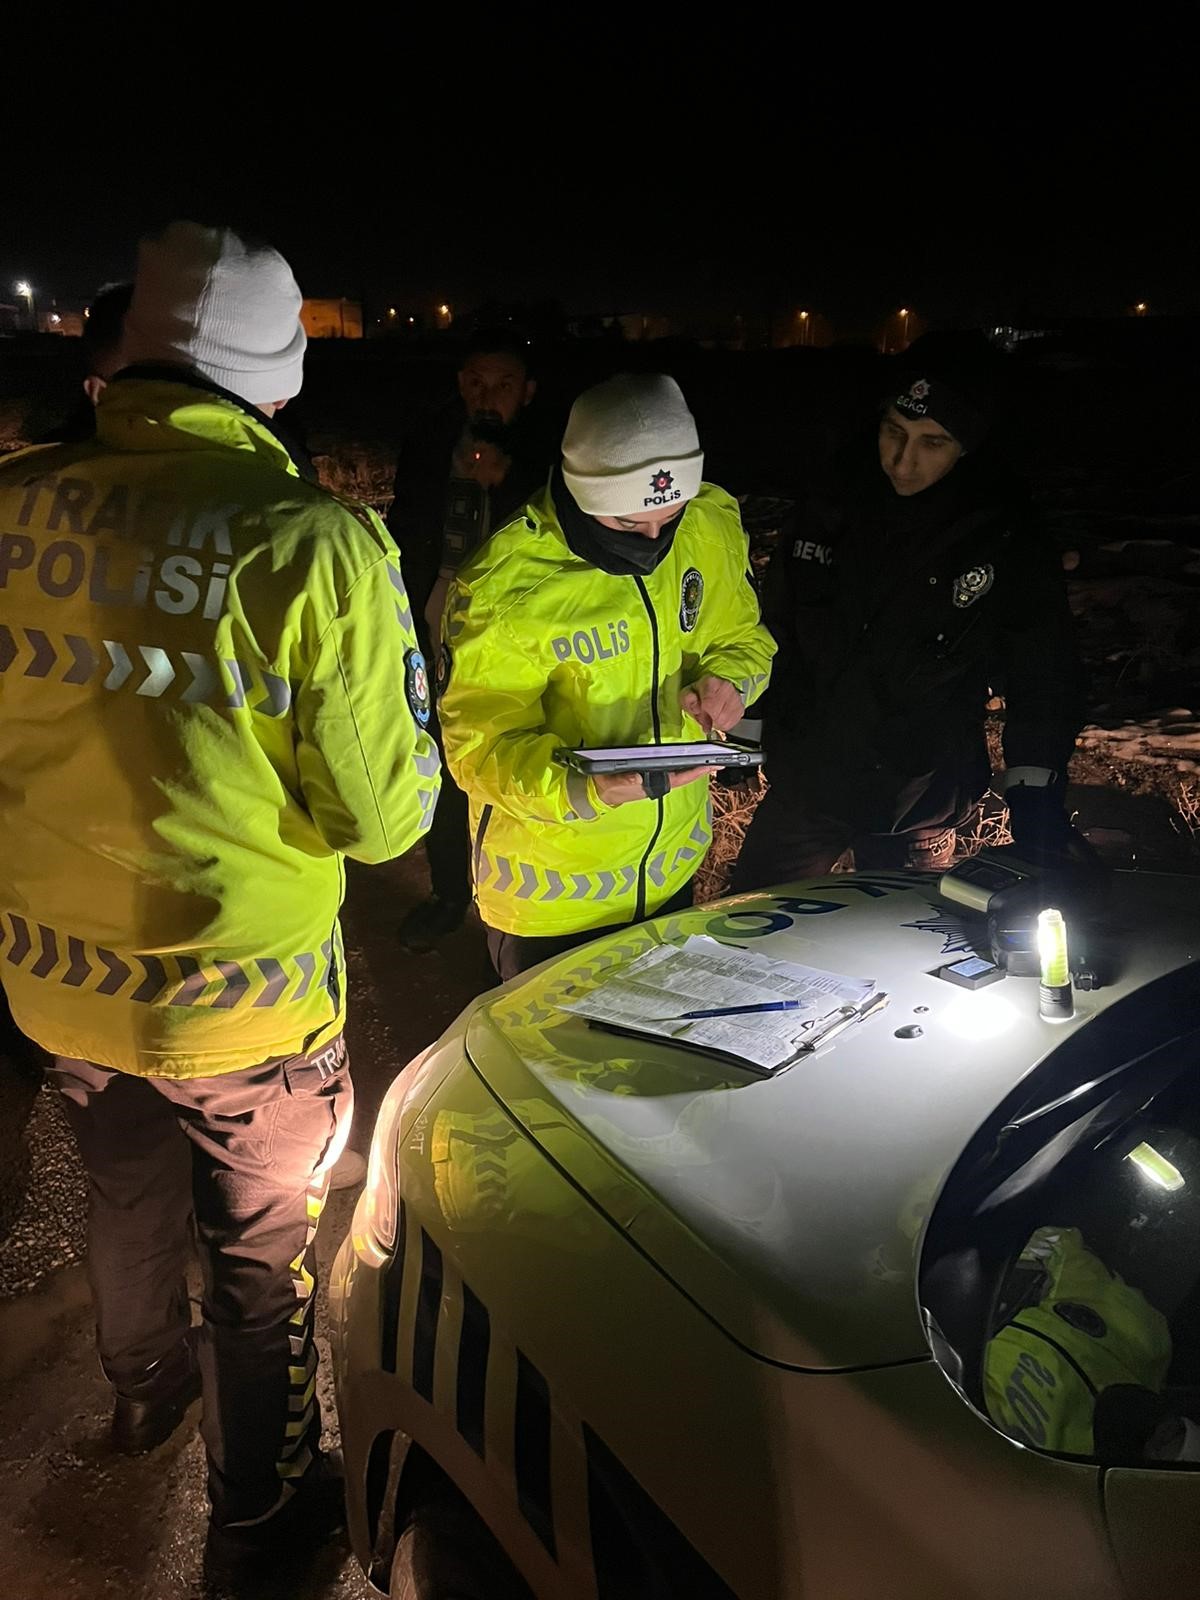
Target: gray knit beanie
{"x":631,"y":446}
{"x":206,"y":299}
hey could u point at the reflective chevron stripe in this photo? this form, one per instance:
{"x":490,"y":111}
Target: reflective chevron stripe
{"x":43,"y":654}
{"x":86,"y":660}
{"x":403,"y":610}
{"x":521,"y":880}
{"x":750,"y":688}
{"x":175,"y":980}
{"x":582,"y":809}
{"x":295,"y":1452}
{"x":698,"y":842}
{"x":152,"y":671}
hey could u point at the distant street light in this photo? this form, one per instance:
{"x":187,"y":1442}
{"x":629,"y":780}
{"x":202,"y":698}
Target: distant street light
{"x":904,"y":312}
{"x":444,"y":315}
{"x":805,"y":326}
{"x":1141,"y":308}
{"x":26,"y":289}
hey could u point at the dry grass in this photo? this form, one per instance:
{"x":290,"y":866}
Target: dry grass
{"x":987,"y":826}
{"x":14,"y":434}
{"x":1186,"y":818}
{"x":356,"y":471}
{"x":985,"y":829}
{"x":732,"y":811}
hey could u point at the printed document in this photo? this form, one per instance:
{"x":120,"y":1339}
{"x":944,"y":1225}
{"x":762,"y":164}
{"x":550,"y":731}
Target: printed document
{"x":652,"y":994}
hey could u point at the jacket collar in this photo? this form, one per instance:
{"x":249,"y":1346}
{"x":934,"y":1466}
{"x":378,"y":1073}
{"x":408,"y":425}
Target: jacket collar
{"x":155,"y":406}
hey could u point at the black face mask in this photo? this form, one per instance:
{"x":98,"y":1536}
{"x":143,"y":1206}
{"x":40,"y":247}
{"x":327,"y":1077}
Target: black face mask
{"x":625,"y":555}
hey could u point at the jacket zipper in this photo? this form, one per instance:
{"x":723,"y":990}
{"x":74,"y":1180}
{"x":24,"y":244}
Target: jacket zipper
{"x":485,"y":816}
{"x":656,"y":724}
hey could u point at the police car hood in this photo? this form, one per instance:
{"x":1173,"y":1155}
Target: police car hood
{"x":790,"y":1210}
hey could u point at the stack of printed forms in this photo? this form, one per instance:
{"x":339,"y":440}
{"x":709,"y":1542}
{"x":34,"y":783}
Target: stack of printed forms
{"x":771,"y":1011}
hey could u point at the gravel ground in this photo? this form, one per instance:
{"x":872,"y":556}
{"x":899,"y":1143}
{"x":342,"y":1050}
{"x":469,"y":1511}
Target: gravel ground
{"x":48,"y":1231}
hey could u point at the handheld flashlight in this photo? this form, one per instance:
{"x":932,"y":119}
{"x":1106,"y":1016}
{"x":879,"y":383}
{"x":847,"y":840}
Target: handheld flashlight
{"x":1054,"y":996}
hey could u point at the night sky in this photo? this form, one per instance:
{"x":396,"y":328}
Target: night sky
{"x":1003,"y":200}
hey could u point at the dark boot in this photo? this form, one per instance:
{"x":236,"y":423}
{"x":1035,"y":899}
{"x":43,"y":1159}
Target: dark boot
{"x":146,"y":1414}
{"x":266,"y":1558}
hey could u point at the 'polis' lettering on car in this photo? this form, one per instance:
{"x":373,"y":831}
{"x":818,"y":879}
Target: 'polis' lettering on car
{"x":589,"y":646}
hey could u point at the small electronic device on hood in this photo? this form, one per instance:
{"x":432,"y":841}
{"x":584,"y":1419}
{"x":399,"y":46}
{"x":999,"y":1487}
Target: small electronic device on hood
{"x":1010,"y":892}
{"x":971,"y":972}
{"x":975,"y":883}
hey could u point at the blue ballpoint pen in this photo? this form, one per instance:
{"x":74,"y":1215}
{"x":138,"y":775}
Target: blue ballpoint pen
{"x":825,"y":1028}
{"x":738,"y":1011}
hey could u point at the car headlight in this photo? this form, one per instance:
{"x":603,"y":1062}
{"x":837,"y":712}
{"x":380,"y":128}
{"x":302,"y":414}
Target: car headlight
{"x":378,"y":1205}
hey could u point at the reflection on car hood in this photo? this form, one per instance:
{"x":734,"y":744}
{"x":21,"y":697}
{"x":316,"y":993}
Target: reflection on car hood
{"x":790,"y":1210}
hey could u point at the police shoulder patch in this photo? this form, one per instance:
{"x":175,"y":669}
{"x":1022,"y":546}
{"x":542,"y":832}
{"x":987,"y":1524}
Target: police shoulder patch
{"x":1084,"y":1319}
{"x":971,"y":585}
{"x":691,"y":597}
{"x":416,"y":687}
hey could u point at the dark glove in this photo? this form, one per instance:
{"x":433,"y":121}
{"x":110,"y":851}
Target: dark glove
{"x":1039,"y":825}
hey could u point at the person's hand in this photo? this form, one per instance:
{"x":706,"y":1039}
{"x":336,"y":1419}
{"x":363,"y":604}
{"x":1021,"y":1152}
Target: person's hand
{"x":480,"y":460}
{"x":714,"y":703}
{"x":617,"y":788}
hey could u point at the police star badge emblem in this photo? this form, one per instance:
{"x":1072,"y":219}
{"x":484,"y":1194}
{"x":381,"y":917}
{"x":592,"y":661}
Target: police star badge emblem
{"x":662,"y":481}
{"x":691,"y":595}
{"x":1083,"y":1318}
{"x":971,"y":585}
{"x":416,"y":687}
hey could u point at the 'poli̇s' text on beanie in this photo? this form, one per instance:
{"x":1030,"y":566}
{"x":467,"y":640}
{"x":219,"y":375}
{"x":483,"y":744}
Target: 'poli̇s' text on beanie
{"x":206,"y":299}
{"x":631,"y":447}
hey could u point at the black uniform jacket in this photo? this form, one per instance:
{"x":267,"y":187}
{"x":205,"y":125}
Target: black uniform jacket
{"x":896,"y":617}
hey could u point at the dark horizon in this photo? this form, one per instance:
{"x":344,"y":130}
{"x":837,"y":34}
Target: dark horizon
{"x":1011,"y":217}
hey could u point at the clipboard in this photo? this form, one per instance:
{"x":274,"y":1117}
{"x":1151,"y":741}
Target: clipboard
{"x":744,"y":1007}
{"x":824,"y":1032}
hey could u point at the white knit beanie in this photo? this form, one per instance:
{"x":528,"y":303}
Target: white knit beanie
{"x":206,"y":299}
{"x":631,"y":446}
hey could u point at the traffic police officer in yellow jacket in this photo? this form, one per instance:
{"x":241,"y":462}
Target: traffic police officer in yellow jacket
{"x":619,"y":610}
{"x":1048,"y":1369}
{"x":202,"y":664}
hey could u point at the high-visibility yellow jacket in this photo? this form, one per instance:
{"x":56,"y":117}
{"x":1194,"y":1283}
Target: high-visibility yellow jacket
{"x":204,"y":662}
{"x":541,"y":650}
{"x":1044,"y":1371}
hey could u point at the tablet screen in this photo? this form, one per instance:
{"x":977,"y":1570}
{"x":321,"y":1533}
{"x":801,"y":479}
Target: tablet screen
{"x":701,"y":753}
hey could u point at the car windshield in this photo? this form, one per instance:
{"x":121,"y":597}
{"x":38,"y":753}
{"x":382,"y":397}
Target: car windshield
{"x":1060,"y":1276}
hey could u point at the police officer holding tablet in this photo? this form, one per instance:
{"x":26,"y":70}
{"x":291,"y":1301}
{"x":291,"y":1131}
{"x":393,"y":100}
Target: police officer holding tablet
{"x":618,"y":610}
